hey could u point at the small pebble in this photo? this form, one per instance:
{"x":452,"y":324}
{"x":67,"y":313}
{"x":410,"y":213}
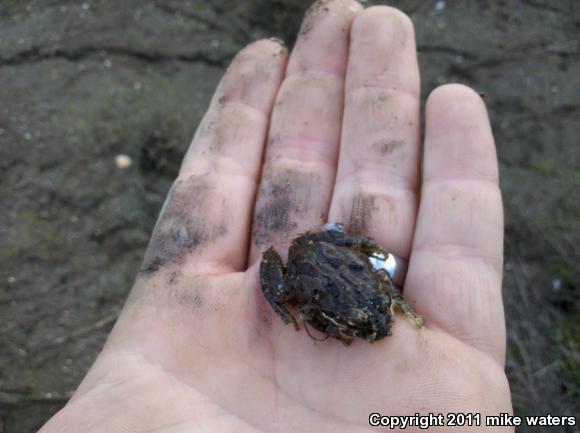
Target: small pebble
{"x":11,"y":279}
{"x":439,"y":5}
{"x":123,"y":161}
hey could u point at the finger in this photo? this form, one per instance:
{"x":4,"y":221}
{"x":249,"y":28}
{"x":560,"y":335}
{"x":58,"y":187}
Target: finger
{"x":456,"y":262}
{"x":375,"y":193}
{"x":207,"y":213}
{"x":300,"y":160}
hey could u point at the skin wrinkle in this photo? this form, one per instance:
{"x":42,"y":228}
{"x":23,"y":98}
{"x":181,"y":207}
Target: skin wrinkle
{"x":227,"y":125}
{"x":323,"y":91}
{"x":379,"y":87}
{"x":372,"y":105}
{"x":483,"y":241}
{"x":386,"y":132}
{"x":461,"y":289}
{"x":271,"y":380}
{"x":373,"y":178}
{"x":451,"y":252}
{"x":302,"y":150}
{"x":303,"y":72}
{"x":176,"y":379}
{"x":249,"y":69}
{"x":225,"y":102}
{"x":301,"y":133}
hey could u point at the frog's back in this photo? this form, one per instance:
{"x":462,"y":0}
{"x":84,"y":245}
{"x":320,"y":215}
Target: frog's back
{"x":335,"y":277}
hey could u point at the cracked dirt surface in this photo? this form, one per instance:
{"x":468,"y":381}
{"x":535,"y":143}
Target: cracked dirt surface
{"x":83,"y":82}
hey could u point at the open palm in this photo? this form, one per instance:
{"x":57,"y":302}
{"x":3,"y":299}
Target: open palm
{"x":330,"y":134}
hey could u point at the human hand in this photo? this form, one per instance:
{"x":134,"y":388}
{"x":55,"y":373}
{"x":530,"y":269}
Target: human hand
{"x":197,"y":348}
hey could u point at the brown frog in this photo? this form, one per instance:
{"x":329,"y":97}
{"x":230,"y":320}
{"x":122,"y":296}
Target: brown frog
{"x":330,"y":279}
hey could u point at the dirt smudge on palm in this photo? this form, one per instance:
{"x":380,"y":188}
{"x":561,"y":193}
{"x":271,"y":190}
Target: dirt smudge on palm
{"x":286,"y":201}
{"x":183,"y":227}
{"x":388,"y":147}
{"x":363,"y":207}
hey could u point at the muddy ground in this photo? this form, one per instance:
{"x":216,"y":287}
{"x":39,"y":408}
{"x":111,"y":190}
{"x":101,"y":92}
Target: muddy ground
{"x":81,"y":82}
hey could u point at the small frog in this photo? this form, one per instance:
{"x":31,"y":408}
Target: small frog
{"x":330,"y":280}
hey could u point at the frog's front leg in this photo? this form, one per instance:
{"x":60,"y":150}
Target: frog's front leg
{"x":397,"y":300}
{"x":274,"y":285}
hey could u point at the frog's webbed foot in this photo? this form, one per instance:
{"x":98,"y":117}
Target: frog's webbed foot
{"x":398,"y":302}
{"x":274,"y":286}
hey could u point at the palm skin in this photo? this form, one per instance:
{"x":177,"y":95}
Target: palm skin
{"x":197,"y":347}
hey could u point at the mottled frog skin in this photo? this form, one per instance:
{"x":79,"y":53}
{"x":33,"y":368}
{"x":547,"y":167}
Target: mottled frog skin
{"x":331,"y":282}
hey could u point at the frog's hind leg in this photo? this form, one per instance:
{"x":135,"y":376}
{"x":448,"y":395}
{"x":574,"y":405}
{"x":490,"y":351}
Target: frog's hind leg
{"x":398,"y":302}
{"x":275,"y":287}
